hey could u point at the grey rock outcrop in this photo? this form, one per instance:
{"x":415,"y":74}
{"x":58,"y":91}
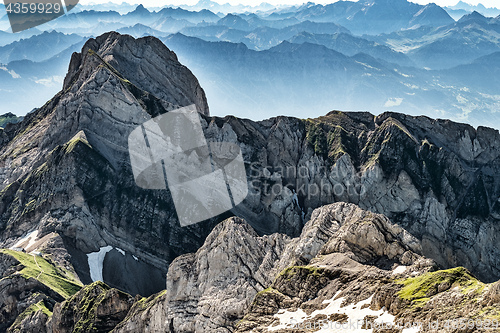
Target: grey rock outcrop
{"x":367,"y":237}
{"x":146,"y":63}
{"x":211,"y":290}
{"x":18,"y":293}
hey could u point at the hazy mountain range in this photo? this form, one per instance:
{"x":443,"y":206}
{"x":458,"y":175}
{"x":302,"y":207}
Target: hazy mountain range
{"x":372,"y":55}
{"x":462,"y":8}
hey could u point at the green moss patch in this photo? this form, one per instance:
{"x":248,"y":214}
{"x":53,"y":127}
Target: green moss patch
{"x":316,"y":137}
{"x":304,"y":270}
{"x":61,"y":281}
{"x":490,"y":312}
{"x":87,"y":306}
{"x":419,"y":289}
{"x":40,"y":306}
{"x":147,"y":302}
{"x":70,"y":146}
{"x":330,"y":140}
{"x":268,"y":291}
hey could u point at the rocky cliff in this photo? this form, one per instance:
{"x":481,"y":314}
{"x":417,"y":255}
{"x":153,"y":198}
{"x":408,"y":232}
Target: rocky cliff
{"x":65,"y":170}
{"x":348,"y":208}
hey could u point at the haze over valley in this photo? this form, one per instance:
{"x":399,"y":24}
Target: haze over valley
{"x":304,"y":60}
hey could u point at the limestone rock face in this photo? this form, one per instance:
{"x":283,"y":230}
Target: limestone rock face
{"x":148,"y":64}
{"x":65,"y":171}
{"x":212,"y":289}
{"x":366,"y":237}
{"x":435,"y":179}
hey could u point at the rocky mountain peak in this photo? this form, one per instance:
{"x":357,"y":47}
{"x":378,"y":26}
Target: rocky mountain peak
{"x":113,"y":85}
{"x":146,"y":63}
{"x":474,"y":16}
{"x":431,"y":14}
{"x":140,"y":10}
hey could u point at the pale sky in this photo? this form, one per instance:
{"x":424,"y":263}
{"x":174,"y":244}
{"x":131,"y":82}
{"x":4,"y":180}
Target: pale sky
{"x":156,"y":3}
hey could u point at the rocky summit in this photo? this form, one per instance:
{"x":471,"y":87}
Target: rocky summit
{"x":351,"y":219}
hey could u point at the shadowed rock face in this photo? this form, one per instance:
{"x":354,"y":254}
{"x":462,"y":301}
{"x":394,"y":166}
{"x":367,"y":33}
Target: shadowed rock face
{"x":96,"y":308}
{"x":239,"y":281}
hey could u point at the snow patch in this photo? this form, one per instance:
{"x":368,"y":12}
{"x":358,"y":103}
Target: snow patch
{"x":96,"y":261}
{"x":136,"y":259}
{"x":120,"y":250}
{"x":402,"y":74}
{"x":356,"y":313}
{"x":295,"y":198}
{"x":30,"y":238}
{"x":411,"y":330}
{"x":367,"y":66}
{"x":399,"y":270}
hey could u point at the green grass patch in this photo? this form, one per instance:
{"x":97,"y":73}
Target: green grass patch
{"x":476,"y":287}
{"x":147,"y":302}
{"x":61,"y":281}
{"x":268,"y":290}
{"x":70,"y":145}
{"x":289,"y":272}
{"x":40,"y":306}
{"x":420,"y":288}
{"x":29,"y":207}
